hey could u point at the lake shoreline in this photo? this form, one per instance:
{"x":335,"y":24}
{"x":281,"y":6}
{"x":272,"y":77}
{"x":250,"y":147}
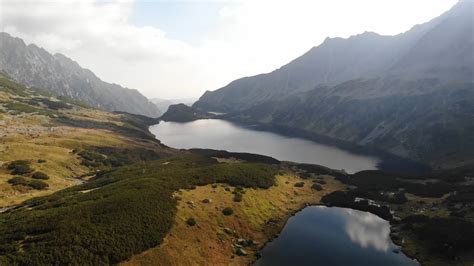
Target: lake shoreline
{"x":295,"y":212}
{"x":390,"y":162}
{"x":220,"y":134}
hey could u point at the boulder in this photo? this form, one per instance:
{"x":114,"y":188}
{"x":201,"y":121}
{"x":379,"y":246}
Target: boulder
{"x":206,"y":200}
{"x":229,"y":231}
{"x":241,"y":252}
{"x":242,"y":242}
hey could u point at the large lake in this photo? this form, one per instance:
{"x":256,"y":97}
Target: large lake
{"x":333,"y":236}
{"x":224,"y":135}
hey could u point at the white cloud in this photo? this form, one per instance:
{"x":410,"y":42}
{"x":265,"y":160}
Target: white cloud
{"x":254,"y":36}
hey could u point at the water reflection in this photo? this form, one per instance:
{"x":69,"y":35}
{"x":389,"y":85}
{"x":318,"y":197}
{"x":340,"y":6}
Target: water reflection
{"x":333,"y":236}
{"x":224,"y":135}
{"x":367,"y":230}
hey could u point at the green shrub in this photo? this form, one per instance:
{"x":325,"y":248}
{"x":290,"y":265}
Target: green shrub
{"x":18,"y":108}
{"x":37,"y":184}
{"x":299,"y":184}
{"x":228,"y":211}
{"x":18,"y":180}
{"x":40,"y":175}
{"x":91,"y":156}
{"x":237,"y":197}
{"x":448,"y":237}
{"x":191,"y":222}
{"x":20,"y":167}
{"x":317,"y":187}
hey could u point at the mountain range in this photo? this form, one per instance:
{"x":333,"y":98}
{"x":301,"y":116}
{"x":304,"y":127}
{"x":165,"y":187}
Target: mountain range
{"x":163,"y":104}
{"x":411,"y":94}
{"x":35,"y":67}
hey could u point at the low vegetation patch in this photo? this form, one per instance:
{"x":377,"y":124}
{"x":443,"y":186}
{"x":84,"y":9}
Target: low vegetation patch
{"x":53,"y":105}
{"x":35,"y":184}
{"x":227,"y":211}
{"x":317,"y":187}
{"x":446,"y":237}
{"x":126,"y":211}
{"x":40,"y":175}
{"x":347,"y":200}
{"x":191,"y":222}
{"x":18,"y":180}
{"x":21,"y":108}
{"x":38,"y":184}
{"x":20,"y":167}
{"x":115,"y":157}
{"x":299,"y":184}
{"x":238,"y":197}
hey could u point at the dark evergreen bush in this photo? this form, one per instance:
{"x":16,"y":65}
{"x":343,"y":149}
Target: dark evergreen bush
{"x":40,"y":175}
{"x":237,"y":197}
{"x":317,"y":187}
{"x":228,"y":211}
{"x":37,"y":184}
{"x":191,"y":222}
{"x":299,"y":184}
{"x":20,"y":167}
{"x":18,"y":180}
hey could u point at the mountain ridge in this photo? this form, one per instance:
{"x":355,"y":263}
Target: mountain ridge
{"x":36,"y":67}
{"x":334,"y":88}
{"x":336,"y":60}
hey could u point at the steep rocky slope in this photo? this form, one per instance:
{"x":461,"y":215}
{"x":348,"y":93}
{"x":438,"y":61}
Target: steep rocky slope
{"x":410,"y":94}
{"x":441,"y":49}
{"x":434,"y":125}
{"x":35,"y":67}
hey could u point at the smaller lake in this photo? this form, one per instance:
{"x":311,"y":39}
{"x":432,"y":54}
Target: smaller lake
{"x":224,"y":135}
{"x":320,"y":235}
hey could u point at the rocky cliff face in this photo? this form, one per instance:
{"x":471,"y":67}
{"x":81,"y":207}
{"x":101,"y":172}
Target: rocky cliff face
{"x":35,"y":67}
{"x":410,"y":94}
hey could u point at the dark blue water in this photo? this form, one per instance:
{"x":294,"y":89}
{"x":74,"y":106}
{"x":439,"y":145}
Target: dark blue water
{"x":333,"y":236}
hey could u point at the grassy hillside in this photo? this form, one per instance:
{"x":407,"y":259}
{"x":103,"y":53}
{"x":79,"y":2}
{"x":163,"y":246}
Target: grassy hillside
{"x":50,"y":133}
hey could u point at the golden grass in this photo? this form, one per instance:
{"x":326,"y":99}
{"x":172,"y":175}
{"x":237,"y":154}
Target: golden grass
{"x":31,"y":137}
{"x":208,"y":244}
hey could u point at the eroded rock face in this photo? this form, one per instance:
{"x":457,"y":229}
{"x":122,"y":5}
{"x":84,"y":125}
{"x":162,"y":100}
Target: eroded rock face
{"x":35,"y":67}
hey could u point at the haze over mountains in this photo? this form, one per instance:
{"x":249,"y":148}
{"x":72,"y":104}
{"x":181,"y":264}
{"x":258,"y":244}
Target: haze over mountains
{"x":163,"y":104}
{"x":35,"y":67}
{"x":411,"y":94}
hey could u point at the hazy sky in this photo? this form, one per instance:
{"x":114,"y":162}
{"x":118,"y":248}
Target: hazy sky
{"x":179,"y":49}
